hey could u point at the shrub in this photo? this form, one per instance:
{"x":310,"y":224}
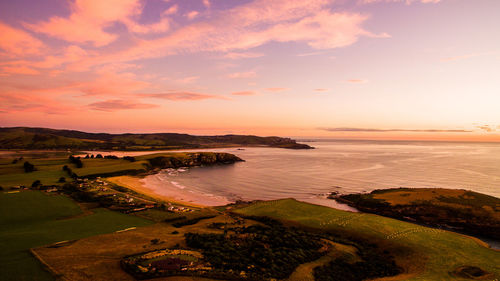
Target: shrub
{"x":62,"y":179}
{"x":28,"y":167}
{"x":76,"y":160}
{"x":111,"y":157}
{"x":36,"y":184}
{"x":129,"y":158}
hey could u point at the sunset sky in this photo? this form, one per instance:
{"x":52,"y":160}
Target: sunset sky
{"x":376,"y":69}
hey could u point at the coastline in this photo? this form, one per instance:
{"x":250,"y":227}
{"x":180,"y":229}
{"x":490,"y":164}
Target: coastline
{"x":157,"y":189}
{"x":136,"y":184}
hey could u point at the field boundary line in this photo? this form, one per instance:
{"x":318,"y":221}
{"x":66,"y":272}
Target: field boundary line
{"x":49,"y":268}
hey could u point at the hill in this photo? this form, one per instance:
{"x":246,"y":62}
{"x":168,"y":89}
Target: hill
{"x":461,"y":210}
{"x":423,"y":253}
{"x":43,"y":138}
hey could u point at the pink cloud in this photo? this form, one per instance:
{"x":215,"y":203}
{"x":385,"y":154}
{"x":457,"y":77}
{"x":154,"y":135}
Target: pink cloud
{"x":16,"y":42}
{"x":206,"y":3}
{"x":193,"y":14}
{"x":276,"y":89}
{"x":244,"y":93}
{"x":407,"y":2}
{"x":252,"y":25}
{"x":172,"y":10}
{"x":89,"y":18}
{"x":180,"y":96}
{"x":113,"y":105}
{"x":187,"y":80}
{"x":235,"y":55}
{"x":321,"y":90}
{"x":248,"y":74}
{"x":357,"y":81}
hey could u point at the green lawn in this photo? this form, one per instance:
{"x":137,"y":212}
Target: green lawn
{"x":443,"y":251}
{"x":30,"y":218}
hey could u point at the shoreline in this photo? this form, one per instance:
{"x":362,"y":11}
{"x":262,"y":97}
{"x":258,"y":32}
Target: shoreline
{"x":165,"y":192}
{"x":135,"y":183}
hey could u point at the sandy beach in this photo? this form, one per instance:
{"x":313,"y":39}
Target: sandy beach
{"x":161,"y":190}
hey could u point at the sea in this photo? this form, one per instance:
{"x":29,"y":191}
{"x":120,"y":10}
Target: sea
{"x":338,"y":166}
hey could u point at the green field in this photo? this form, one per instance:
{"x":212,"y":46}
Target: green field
{"x":31,"y":218}
{"x":50,"y":170}
{"x":440,"y":252}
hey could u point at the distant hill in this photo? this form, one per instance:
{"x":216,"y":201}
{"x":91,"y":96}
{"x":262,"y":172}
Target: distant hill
{"x":44,"y":138}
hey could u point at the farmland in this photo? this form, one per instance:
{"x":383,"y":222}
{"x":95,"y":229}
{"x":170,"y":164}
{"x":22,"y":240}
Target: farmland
{"x":425,"y":253}
{"x":49,"y":170}
{"x":470,"y":212}
{"x":32,"y":218}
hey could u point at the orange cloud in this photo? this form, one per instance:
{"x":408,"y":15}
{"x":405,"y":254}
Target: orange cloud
{"x":321,"y":90}
{"x":180,"y":96}
{"x":244,"y":93}
{"x":112,"y":84}
{"x":24,"y":70}
{"x":193,"y":14}
{"x":248,"y":74}
{"x":13,"y":101}
{"x":89,"y":18}
{"x":251,"y":25}
{"x":16,"y":42}
{"x":113,"y":105}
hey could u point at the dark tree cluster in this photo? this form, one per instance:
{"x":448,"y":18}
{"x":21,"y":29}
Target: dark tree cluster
{"x":129,"y":158}
{"x":374,"y":264}
{"x":36,"y":184}
{"x":89,"y":156}
{"x":262,"y":252}
{"x":28,"y":167}
{"x":76,"y":160}
{"x":70,"y":172}
{"x":111,"y":157}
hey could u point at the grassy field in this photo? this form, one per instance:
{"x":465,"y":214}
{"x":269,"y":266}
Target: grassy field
{"x":30,"y":218}
{"x":471,"y":212}
{"x":435,"y":253}
{"x":98,"y":257}
{"x":48,"y":171}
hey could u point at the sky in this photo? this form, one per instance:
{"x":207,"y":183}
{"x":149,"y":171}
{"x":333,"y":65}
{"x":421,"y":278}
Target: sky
{"x":367,"y":69}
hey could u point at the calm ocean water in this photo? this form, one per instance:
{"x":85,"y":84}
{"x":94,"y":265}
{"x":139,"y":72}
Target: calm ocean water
{"x":342,"y":166}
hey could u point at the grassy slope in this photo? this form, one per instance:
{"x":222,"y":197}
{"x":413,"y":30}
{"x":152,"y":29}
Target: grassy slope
{"x":470,"y":211}
{"x":443,"y":251}
{"x":30,"y":218}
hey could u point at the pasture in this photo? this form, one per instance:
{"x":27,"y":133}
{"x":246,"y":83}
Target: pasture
{"x":31,"y":218}
{"x":49,"y":170}
{"x":434,"y":253}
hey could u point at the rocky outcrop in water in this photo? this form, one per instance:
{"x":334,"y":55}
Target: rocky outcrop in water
{"x":193,"y":159}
